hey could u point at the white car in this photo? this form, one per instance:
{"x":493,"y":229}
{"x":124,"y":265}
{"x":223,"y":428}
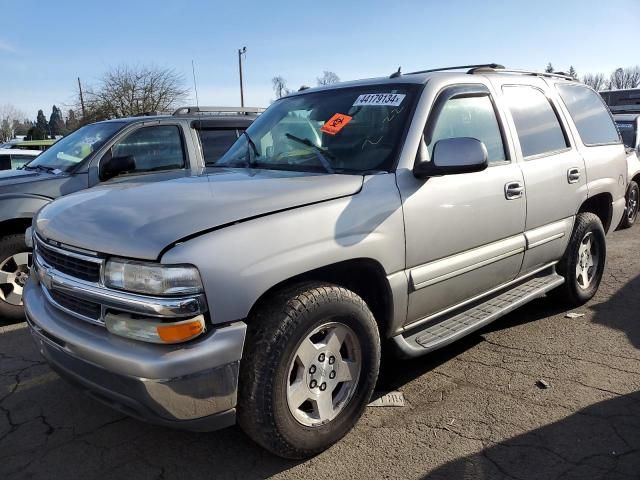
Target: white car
{"x":15,"y":158}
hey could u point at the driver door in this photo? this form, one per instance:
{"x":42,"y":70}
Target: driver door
{"x":464,"y":232}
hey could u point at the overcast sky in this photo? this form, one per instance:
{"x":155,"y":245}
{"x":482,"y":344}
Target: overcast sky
{"x":45,"y":47}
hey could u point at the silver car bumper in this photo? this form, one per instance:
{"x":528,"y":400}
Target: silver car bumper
{"x":190,"y":386}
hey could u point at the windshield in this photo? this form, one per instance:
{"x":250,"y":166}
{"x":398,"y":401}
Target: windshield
{"x":347,"y":130}
{"x":69,"y":151}
{"x":628,"y":133}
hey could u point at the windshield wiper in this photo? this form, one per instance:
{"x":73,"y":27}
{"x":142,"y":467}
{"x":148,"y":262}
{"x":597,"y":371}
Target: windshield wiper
{"x":39,"y":167}
{"x":320,"y":152}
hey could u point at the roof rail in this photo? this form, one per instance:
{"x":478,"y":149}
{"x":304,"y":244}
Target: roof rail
{"x":218,"y":110}
{"x":499,"y":69}
{"x":460,"y":67}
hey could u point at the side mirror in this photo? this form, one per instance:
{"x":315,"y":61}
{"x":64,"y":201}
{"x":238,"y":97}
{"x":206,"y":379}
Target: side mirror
{"x":452,"y":156}
{"x":113,"y":166}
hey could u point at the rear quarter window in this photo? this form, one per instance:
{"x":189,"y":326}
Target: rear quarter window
{"x":589,"y":113}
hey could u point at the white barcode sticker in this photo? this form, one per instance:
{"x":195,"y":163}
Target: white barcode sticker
{"x":379,"y":99}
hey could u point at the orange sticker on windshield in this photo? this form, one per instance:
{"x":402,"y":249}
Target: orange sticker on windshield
{"x":335,"y":123}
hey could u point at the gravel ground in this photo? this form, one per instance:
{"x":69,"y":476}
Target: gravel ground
{"x":473,"y":410}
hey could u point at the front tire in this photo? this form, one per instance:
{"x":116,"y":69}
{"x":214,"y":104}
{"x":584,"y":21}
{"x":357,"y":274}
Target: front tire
{"x":15,"y":259}
{"x":583,"y":262}
{"x":633,"y":204}
{"x":309,"y":368}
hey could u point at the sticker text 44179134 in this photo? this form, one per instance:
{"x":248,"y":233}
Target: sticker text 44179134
{"x":379,"y":99}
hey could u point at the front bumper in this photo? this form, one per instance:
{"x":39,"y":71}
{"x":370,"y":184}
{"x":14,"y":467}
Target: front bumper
{"x":190,"y":386}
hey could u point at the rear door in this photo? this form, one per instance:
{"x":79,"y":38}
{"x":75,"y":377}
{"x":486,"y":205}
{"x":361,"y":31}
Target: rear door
{"x":554,"y":171}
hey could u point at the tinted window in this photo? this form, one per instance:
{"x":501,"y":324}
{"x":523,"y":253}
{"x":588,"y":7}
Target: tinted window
{"x":590,"y":115}
{"x":470,"y":117}
{"x":536,"y":121}
{"x":153,"y":148}
{"x":628,"y":133}
{"x":5,"y":162}
{"x":216,"y":142}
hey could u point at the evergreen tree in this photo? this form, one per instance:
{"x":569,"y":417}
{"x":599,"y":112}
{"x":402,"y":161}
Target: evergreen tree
{"x":572,"y":72}
{"x":42,"y":126}
{"x":549,"y":68}
{"x":72,"y":122}
{"x":56,"y":122}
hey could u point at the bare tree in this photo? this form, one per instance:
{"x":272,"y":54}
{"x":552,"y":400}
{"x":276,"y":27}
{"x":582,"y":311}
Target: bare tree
{"x":125,"y":90}
{"x":623,"y":78}
{"x":328,"y":78}
{"x":279,"y":86}
{"x":10,"y":116}
{"x":596,"y":81}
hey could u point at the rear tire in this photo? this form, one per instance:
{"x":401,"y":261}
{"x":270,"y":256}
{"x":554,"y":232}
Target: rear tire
{"x":15,"y":259}
{"x":583,"y":262}
{"x":633,"y":204}
{"x":310,"y":365}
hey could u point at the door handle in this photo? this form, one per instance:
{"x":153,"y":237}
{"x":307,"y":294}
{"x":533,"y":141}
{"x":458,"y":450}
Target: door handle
{"x":573,"y":175}
{"x":513,"y":190}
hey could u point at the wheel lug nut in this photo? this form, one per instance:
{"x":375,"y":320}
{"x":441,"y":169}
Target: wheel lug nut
{"x":332,"y":360}
{"x":321,"y":357}
{"x":312,"y":369}
{"x":332,"y":374}
{"x":323,"y":387}
{"x":313,"y":384}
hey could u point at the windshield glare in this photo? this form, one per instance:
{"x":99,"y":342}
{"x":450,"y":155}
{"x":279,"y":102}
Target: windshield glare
{"x":69,"y":151}
{"x":348,"y":130}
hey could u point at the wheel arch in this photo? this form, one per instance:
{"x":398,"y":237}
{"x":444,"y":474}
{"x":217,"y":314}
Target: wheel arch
{"x":364,"y":276}
{"x":600,"y":205}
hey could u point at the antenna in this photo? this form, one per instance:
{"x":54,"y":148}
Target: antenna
{"x":195,"y":85}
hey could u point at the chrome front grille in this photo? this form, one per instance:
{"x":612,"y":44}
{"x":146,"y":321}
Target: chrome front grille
{"x":86,"y":309}
{"x":69,"y":263}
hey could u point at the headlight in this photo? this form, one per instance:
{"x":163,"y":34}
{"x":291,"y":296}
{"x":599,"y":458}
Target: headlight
{"x":152,"y":278}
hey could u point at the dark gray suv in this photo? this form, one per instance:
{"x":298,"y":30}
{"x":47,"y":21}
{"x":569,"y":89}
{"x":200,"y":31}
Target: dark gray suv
{"x":133,"y":150}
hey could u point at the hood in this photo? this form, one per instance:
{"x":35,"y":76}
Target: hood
{"x":140,"y":220}
{"x":19,"y":176}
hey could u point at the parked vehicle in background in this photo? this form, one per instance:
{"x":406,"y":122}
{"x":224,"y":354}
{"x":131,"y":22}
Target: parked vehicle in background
{"x":40,"y":145}
{"x":625,"y":106}
{"x":129,"y":150}
{"x":13,"y":159}
{"x":413,"y":209}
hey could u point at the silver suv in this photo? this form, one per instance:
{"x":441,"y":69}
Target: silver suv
{"x":412,"y":210}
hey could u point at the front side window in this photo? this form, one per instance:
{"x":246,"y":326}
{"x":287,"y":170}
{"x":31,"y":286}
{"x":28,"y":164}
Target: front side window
{"x":536,"y":121}
{"x":216,"y":142}
{"x":343,"y":130}
{"x":153,"y":148}
{"x":590,"y":115}
{"x":70,"y":151}
{"x":470,"y":117}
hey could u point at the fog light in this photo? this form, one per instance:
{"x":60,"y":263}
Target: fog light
{"x":154,"y":331}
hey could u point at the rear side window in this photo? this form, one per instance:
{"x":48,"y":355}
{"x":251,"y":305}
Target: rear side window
{"x":153,"y":148}
{"x":535,"y":119}
{"x":215,"y":143}
{"x":470,"y":117}
{"x":590,"y":115}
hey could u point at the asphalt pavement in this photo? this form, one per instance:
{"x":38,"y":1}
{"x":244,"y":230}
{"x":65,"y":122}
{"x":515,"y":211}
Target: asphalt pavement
{"x":535,"y":395}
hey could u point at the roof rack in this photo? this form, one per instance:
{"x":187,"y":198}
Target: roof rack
{"x":218,"y":111}
{"x":460,"y":67}
{"x":501,"y":69}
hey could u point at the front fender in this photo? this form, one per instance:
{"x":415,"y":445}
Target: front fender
{"x":241,"y":262}
{"x":20,"y":205}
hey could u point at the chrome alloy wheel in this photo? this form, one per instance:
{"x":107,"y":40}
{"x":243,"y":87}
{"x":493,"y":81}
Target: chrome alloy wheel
{"x":323,"y":374}
{"x":14,"y":272}
{"x":632,"y":205}
{"x":588,"y":261}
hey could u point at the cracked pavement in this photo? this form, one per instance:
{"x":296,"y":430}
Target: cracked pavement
{"x":473,"y":409}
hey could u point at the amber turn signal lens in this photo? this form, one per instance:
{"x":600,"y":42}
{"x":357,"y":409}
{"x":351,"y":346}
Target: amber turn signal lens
{"x":180,"y":332}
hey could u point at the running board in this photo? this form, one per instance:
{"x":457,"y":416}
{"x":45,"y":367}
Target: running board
{"x":432,"y":336}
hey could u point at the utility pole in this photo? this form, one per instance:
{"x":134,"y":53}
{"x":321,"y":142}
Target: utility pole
{"x":84,"y":113}
{"x":241,"y":51}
